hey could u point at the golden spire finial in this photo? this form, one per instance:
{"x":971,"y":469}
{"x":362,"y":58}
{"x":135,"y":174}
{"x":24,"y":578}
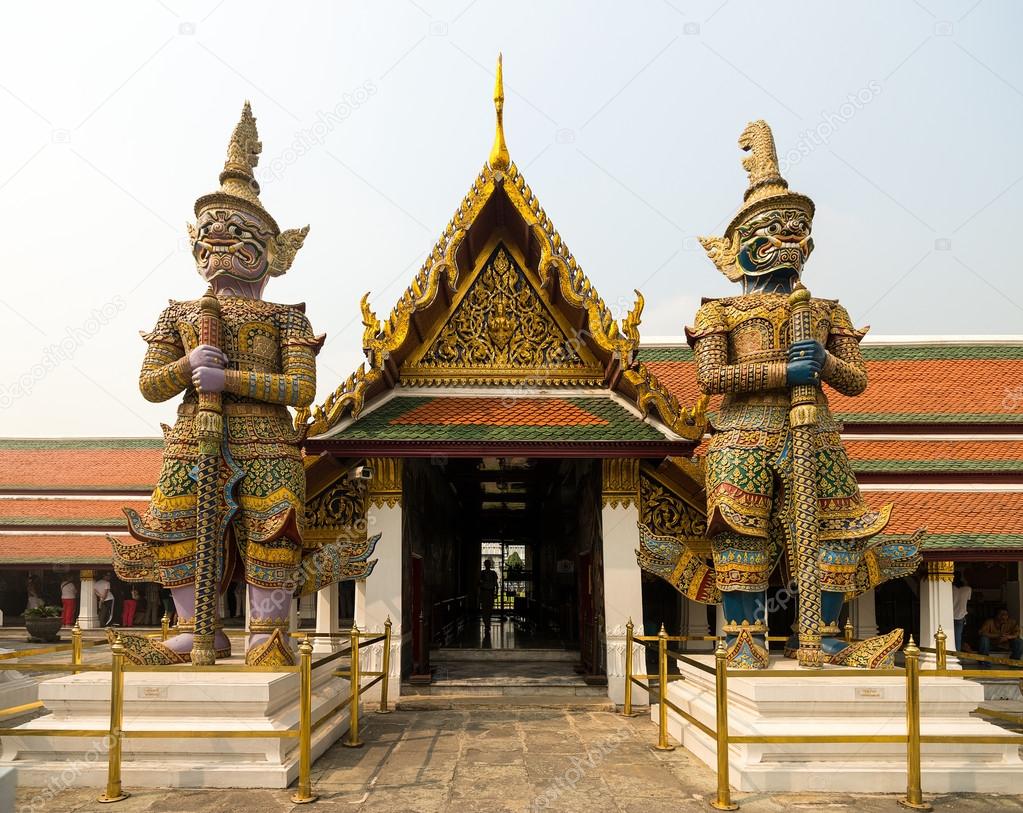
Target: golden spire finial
{"x":499,"y":157}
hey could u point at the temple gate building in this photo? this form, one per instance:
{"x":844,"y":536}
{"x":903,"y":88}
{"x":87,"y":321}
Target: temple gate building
{"x":505,"y":413}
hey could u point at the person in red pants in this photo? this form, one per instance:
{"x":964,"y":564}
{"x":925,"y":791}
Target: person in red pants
{"x":128,"y":610}
{"x":68,"y":594}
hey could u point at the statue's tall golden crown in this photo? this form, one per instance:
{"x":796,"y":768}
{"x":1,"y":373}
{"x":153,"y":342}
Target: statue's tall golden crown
{"x":238,"y":184}
{"x":239,"y":189}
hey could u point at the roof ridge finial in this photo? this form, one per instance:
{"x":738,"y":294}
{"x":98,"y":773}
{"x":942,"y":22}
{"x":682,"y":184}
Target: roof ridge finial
{"x":499,"y":157}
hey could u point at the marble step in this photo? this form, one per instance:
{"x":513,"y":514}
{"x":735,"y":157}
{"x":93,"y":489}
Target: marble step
{"x":535,"y":701}
{"x":455,"y":654}
{"x":499,"y":688}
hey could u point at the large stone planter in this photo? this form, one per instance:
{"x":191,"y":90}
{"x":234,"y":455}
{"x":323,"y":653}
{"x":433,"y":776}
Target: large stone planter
{"x":43,"y":629}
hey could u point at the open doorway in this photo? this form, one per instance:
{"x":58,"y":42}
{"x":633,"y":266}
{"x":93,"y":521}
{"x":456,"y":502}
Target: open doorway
{"x":537,"y":522}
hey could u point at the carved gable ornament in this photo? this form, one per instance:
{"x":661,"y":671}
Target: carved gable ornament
{"x":499,"y":331}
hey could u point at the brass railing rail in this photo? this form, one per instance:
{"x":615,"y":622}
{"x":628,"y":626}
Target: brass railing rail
{"x":118,"y":667}
{"x":912,"y":738}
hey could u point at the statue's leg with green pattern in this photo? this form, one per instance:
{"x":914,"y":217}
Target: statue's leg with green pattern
{"x":743,"y":566}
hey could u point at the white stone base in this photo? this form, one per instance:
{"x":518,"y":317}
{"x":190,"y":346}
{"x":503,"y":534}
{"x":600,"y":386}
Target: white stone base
{"x":8,"y":787}
{"x":181,"y":702}
{"x":842,"y":705}
{"x":15,"y":690}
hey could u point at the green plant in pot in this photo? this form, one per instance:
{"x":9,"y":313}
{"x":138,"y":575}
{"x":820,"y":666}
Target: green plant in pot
{"x":43,"y":623}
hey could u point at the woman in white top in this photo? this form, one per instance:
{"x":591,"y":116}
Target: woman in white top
{"x":961,"y":593}
{"x":68,"y":594}
{"x":34,"y":599}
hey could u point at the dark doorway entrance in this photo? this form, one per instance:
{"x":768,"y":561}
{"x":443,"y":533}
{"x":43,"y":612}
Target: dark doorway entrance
{"x":537,"y":522}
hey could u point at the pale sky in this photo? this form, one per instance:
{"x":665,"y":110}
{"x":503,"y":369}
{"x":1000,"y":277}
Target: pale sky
{"x":902,"y":119}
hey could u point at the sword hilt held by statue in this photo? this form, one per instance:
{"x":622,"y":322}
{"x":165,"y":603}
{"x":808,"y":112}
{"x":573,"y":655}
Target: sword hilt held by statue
{"x":209,"y":429}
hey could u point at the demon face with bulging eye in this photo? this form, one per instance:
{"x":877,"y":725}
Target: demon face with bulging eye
{"x":231,"y":243}
{"x":776,"y":242}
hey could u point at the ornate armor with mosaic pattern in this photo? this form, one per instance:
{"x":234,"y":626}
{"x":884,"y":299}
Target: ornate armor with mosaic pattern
{"x":272,"y":365}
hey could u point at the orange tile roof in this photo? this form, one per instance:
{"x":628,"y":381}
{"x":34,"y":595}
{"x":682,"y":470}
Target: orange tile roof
{"x":55,"y":549}
{"x":952,"y":512}
{"x":935,"y":384}
{"x":936,"y":456}
{"x":80,"y":464}
{"x":499,"y":412}
{"x":69,"y":512}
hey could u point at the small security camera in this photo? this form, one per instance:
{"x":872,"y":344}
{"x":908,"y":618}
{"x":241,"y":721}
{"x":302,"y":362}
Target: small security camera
{"x":361,"y":473}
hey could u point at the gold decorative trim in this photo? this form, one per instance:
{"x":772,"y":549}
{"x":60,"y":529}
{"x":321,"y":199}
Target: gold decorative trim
{"x":942,"y":571}
{"x":690,"y":424}
{"x":620,"y":482}
{"x":385,"y":486}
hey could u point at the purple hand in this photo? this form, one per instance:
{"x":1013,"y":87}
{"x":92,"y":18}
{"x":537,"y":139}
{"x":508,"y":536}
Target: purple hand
{"x":206,"y":355}
{"x":208,"y":379}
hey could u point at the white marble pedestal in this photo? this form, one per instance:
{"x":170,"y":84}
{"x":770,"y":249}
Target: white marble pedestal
{"x":180,"y":702}
{"x":15,"y":690}
{"x":843,"y":705}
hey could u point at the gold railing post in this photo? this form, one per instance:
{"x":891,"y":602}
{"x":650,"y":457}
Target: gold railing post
{"x":386,"y":666}
{"x":76,"y":647}
{"x":914,"y":794}
{"x":353,"y":740}
{"x":114,"y":793}
{"x":627,"y":707}
{"x":848,"y":630}
{"x":662,"y":692}
{"x":165,"y":627}
{"x":303,"y":793}
{"x":724,"y":797}
{"x":941,"y":645}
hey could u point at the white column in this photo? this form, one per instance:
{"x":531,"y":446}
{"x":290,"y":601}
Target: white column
{"x":326,"y":619}
{"x":380,"y":596}
{"x":697,"y":625}
{"x":293,"y":615}
{"x":864,"y":615}
{"x":623,"y":596}
{"x":307,"y":610}
{"x":719,"y":620}
{"x":88,"y":617}
{"x":936,"y":608}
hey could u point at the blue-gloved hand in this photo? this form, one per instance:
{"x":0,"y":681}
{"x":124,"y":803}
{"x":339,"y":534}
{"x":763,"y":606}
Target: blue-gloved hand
{"x":808,"y":349}
{"x":804,"y":371}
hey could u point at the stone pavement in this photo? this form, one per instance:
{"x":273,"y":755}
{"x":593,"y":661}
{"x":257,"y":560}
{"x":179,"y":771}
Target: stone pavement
{"x":497,"y":760}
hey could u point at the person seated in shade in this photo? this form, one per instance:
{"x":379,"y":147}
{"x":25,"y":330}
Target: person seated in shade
{"x":1001,"y":633}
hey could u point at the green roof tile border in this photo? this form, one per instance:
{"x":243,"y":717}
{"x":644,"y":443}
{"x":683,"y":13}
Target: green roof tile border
{"x":16,"y":444}
{"x":933,"y":542}
{"x":860,"y":465}
{"x":621,"y":425}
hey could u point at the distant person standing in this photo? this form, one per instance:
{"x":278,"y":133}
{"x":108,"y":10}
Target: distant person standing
{"x":488,"y":591}
{"x":33,"y":599}
{"x":167,"y":600}
{"x":961,"y":595}
{"x":68,"y":595}
{"x":128,"y":607}
{"x":105,"y":599}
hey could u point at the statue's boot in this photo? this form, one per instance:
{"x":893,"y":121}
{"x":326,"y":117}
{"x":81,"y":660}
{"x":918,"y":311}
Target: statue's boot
{"x":873,"y":653}
{"x":745,"y":630}
{"x":269,"y":640}
{"x":145,"y":651}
